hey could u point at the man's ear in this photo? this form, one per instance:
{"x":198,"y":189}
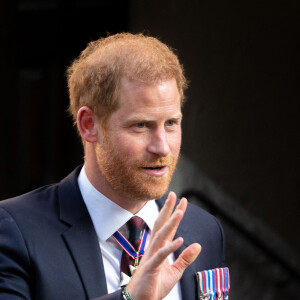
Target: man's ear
{"x":87,"y":124}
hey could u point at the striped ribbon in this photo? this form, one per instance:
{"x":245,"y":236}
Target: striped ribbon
{"x":126,"y":245}
{"x":214,"y":284}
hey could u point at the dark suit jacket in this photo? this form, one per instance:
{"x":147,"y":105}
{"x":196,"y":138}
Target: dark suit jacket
{"x":49,"y":248}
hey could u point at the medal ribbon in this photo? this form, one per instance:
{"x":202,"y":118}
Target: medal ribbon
{"x":214,"y":284}
{"x":227,"y":284}
{"x":218,"y":283}
{"x":126,"y":245}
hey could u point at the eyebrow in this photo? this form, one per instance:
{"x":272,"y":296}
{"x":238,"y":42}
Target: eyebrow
{"x":142,"y":117}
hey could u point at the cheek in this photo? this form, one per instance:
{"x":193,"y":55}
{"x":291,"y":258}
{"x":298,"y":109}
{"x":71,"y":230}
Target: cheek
{"x":130,"y":146}
{"x":175,"y":142}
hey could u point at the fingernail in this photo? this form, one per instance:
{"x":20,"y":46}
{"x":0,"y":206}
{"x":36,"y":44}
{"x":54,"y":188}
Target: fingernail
{"x":178,"y":241}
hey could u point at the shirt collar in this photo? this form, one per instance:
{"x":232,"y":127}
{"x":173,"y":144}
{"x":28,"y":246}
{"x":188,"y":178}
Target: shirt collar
{"x":106,"y":215}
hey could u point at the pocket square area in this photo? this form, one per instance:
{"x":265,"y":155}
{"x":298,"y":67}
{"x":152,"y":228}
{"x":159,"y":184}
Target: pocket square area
{"x":213,"y":284}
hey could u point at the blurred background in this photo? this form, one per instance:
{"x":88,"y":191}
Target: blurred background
{"x":240,"y":149}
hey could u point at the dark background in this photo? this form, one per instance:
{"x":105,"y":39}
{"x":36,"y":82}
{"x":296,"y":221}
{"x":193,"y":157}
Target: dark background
{"x":241,"y":117}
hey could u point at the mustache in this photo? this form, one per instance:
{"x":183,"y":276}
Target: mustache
{"x":156,"y":162}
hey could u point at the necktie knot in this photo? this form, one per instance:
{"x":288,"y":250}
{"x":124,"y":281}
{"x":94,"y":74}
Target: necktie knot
{"x":135,"y":226}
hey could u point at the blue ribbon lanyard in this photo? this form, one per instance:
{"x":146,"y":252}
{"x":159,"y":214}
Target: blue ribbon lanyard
{"x":128,"y":248}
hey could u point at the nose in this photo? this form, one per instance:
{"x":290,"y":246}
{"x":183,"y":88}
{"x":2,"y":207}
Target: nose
{"x":159,"y":143}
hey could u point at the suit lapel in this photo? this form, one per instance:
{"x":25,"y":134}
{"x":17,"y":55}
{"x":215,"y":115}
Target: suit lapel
{"x":87,"y":257}
{"x":80,"y":237}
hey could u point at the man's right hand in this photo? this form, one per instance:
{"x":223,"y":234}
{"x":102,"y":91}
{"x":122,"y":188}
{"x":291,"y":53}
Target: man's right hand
{"x":155,"y":277}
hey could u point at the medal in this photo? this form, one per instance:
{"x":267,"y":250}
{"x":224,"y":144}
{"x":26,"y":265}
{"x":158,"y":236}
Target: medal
{"x":133,"y":253}
{"x":213,"y":284}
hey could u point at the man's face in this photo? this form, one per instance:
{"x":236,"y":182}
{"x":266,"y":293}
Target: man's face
{"x":139,"y":148}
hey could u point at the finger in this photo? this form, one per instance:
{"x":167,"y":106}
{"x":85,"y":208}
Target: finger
{"x":166,"y":233}
{"x":187,"y":257}
{"x":164,"y":252}
{"x":168,"y":209}
{"x":165,"y":212}
{"x":182,"y":204}
{"x":170,"y":228}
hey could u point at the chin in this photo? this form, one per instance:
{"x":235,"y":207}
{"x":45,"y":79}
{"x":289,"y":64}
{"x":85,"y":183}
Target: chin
{"x":149,"y":193}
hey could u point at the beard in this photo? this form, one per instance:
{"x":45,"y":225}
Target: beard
{"x":126,"y":175}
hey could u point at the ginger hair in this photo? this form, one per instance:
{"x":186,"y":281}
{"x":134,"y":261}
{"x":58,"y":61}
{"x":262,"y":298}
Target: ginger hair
{"x":94,"y":77}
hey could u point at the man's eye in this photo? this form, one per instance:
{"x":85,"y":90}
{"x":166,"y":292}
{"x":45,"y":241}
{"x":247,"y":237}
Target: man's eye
{"x":170,"y":123}
{"x":140,"y":125}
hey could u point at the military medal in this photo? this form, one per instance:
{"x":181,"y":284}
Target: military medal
{"x":129,"y":249}
{"x":213,"y":284}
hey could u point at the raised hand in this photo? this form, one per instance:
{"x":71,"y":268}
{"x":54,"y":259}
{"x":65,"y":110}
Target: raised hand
{"x":155,"y":277}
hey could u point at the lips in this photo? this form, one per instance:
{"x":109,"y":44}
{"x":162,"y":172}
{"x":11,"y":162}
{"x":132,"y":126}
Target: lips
{"x":154,"y":168}
{"x":158,"y":171}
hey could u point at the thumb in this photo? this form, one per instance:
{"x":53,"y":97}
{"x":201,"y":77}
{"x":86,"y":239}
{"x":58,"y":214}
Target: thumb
{"x":187,"y":257}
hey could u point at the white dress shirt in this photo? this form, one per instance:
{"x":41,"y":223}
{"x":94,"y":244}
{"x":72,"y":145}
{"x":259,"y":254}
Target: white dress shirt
{"x":108,"y":217}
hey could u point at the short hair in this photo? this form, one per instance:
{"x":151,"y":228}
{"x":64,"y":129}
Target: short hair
{"x":94,"y":77}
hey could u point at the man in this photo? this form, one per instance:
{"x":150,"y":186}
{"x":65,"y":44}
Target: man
{"x":61,"y":241}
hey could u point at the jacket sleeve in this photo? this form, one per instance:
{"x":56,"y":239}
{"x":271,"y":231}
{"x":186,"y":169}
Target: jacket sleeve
{"x":14,"y":261}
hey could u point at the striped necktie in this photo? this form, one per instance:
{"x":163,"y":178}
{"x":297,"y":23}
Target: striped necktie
{"x":136,"y":226}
